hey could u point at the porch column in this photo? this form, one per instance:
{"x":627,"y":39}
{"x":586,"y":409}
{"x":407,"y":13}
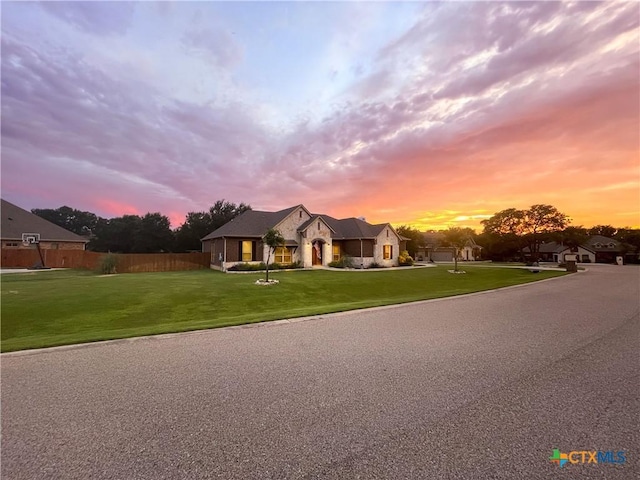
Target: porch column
{"x":327,"y":254}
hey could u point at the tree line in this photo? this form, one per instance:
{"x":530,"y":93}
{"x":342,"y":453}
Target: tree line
{"x":506,"y":235}
{"x":512,"y":234}
{"x":149,"y":233}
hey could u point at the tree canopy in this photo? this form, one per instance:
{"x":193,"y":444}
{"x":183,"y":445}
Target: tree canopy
{"x":200,"y":224}
{"x":149,"y":233}
{"x":527,"y":227}
{"x":76,"y":221}
{"x":416,"y":238}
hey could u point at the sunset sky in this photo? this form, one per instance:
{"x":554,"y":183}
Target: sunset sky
{"x":429,"y":114}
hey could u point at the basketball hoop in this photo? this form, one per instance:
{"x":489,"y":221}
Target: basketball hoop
{"x":30,"y":239}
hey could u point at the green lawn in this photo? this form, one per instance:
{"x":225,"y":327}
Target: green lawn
{"x":62,"y":307}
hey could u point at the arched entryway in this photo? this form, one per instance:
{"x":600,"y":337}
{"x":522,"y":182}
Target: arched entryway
{"x":317,"y":249}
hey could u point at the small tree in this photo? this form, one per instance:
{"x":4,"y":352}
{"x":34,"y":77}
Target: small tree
{"x":457,"y":238}
{"x":273,"y":239}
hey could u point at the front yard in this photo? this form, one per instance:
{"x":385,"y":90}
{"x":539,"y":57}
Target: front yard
{"x":63,"y":307}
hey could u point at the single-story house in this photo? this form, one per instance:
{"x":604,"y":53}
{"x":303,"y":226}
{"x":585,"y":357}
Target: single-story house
{"x":596,"y":249}
{"x":17,"y":224}
{"x":310,"y":238}
{"x":434,"y":251}
{"x":605,"y":249}
{"x":555,"y":252}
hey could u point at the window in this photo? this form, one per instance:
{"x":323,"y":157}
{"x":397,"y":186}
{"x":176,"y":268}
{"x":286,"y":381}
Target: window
{"x":336,"y":253}
{"x":11,"y":244}
{"x":247,"y":251}
{"x":283,"y":255}
{"x":387,"y":233}
{"x":387,"y":252}
{"x":300,"y":214}
{"x":318,"y":225}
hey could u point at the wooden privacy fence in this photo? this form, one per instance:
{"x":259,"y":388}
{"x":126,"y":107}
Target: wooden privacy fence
{"x":126,"y":262}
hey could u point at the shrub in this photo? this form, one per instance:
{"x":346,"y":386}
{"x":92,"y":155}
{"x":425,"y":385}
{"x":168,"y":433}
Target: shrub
{"x":405,"y":259}
{"x":247,"y":267}
{"x":108,"y":264}
{"x":345,"y":262}
{"x":253,"y":267}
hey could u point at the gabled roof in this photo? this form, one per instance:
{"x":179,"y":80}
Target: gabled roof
{"x":252,"y":223}
{"x":315,"y":217}
{"x":352,"y":228}
{"x":600,"y":243}
{"x":16,"y":221}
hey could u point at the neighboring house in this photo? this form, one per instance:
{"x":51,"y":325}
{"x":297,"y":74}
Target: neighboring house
{"x":605,"y":249}
{"x":555,"y":252}
{"x":16,"y":221}
{"x":597,"y":249}
{"x":310,"y":238}
{"x":434,"y":251}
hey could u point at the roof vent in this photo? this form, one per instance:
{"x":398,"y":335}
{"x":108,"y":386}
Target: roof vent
{"x":362,"y":218}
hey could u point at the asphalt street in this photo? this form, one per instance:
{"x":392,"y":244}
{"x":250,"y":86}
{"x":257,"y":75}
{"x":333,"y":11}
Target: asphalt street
{"x":481,"y":386}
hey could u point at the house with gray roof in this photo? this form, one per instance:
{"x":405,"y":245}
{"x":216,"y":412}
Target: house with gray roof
{"x":16,"y":222}
{"x":596,"y":249}
{"x":310,"y":238}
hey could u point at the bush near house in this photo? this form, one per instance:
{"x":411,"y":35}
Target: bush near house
{"x":404,"y":259}
{"x":345,"y":262}
{"x":256,"y":267}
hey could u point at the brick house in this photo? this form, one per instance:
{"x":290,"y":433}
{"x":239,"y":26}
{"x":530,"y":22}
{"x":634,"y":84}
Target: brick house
{"x":16,"y":221}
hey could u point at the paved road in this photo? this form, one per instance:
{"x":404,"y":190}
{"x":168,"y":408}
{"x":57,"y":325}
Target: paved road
{"x":484,"y":386}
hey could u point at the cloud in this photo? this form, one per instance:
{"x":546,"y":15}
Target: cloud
{"x":98,"y":18}
{"x":216,"y":45}
{"x":474,"y":108}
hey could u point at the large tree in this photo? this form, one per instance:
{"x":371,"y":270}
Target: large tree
{"x":529,"y":226}
{"x":200,"y":224}
{"x":115,"y":234}
{"x":153,"y":234}
{"x":416,"y":238}
{"x":76,"y":221}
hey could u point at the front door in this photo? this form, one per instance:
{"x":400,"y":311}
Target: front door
{"x":316,"y":253}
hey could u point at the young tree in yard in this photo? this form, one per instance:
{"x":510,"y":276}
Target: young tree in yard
{"x":457,"y":238}
{"x":273,"y":239}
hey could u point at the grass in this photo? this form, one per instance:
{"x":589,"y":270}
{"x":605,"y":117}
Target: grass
{"x":63,"y":307}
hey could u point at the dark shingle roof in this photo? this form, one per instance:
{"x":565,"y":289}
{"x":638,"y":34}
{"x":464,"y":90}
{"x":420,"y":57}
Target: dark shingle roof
{"x":252,"y":223}
{"x":604,"y":243}
{"x":16,"y":221}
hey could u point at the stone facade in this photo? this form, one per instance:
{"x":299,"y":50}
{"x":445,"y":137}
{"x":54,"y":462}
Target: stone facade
{"x":364,"y":242}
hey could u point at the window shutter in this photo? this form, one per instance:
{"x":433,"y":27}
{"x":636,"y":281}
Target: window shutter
{"x":253,"y":251}
{"x":240,"y":251}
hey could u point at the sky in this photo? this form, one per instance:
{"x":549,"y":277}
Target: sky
{"x":426,"y":114}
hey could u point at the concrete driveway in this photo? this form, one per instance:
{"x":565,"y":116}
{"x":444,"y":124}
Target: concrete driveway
{"x":483,"y":386}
